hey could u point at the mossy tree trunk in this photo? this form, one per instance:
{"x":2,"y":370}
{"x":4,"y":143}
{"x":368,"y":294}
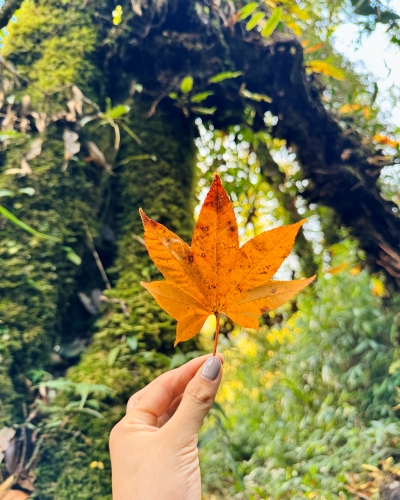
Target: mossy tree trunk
{"x":36,"y":277}
{"x":163,"y":187}
{"x":40,"y":283}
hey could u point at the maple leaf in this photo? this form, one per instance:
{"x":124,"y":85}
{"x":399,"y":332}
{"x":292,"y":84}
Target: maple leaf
{"x":214,"y":275}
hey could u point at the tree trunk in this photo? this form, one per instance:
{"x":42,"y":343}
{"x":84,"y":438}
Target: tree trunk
{"x":163,"y":187}
{"x":36,"y":277}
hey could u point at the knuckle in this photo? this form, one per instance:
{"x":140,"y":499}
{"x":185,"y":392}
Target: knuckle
{"x":201,"y":395}
{"x":114,"y":434}
{"x":131,"y":402}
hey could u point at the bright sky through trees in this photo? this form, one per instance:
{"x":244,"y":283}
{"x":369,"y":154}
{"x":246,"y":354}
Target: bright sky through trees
{"x":377,"y":56}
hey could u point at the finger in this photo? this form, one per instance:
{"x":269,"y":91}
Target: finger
{"x":171,"y":410}
{"x":155,"y":401}
{"x":198,"y":398}
{"x":134,"y":399}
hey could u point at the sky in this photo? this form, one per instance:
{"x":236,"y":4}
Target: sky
{"x":376,"y":55}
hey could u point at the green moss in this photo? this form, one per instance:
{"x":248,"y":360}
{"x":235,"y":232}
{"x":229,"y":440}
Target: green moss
{"x":37,"y":279}
{"x":51,"y":71}
{"x":44,"y":31}
{"x":35,"y":275}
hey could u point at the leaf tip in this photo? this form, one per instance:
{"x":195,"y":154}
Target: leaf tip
{"x":143,"y":216}
{"x":217,"y":179}
{"x":308,"y":280}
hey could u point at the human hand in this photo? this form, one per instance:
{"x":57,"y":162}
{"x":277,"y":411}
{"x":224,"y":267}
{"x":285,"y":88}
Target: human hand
{"x":154,"y":447}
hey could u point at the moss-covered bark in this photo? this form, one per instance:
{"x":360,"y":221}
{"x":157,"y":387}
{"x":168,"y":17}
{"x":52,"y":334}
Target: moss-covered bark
{"x":36,"y":277}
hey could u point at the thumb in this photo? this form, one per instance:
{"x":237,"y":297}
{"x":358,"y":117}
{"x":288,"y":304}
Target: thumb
{"x":198,"y":397}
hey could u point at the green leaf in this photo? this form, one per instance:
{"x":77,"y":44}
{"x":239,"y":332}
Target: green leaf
{"x":173,"y":95}
{"x":130,"y":132}
{"x":72,"y":256}
{"x":53,"y":424}
{"x":58,"y":384}
{"x":247,"y":10}
{"x":204,"y":111}
{"x":177,"y":360}
{"x":187,"y":84}
{"x":108,"y":106}
{"x":12,"y":218}
{"x":93,"y":403}
{"x":90,"y":411}
{"x":5,"y":192}
{"x":28,"y":190}
{"x":87,"y":119}
{"x":137,"y":158}
{"x":132,"y":342}
{"x":394,"y":367}
{"x":393,"y":333}
{"x":118,"y":111}
{"x":202,"y":96}
{"x":386,"y":17}
{"x":254,"y":20}
{"x":325,"y":68}
{"x":225,"y":75}
{"x":207,"y":436}
{"x":113,"y":355}
{"x":272,"y":23}
{"x":363,"y":7}
{"x":254,"y":96}
{"x":11,"y":134}
{"x":83,"y":389}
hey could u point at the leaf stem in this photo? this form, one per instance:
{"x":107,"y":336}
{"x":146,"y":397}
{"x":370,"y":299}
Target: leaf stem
{"x":216,"y":333}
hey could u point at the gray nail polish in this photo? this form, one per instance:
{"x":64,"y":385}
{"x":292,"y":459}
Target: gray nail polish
{"x":211,"y":368}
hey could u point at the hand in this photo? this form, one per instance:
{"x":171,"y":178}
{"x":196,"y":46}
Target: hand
{"x":154,"y":447}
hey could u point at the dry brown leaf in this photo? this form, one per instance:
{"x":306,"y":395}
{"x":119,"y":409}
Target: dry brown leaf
{"x":35,"y":149}
{"x":40,"y":121}
{"x":71,"y":145}
{"x":214,"y":275}
{"x":6,"y":435}
{"x":97,"y":157}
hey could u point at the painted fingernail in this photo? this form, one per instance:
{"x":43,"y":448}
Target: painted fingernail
{"x":211,"y":368}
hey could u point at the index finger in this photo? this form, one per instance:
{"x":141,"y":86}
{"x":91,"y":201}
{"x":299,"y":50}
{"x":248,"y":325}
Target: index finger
{"x":155,"y":399}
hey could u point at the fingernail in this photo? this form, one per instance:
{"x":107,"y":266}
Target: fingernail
{"x":211,"y":368}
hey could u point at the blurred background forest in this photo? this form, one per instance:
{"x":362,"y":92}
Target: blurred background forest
{"x":111,"y":105}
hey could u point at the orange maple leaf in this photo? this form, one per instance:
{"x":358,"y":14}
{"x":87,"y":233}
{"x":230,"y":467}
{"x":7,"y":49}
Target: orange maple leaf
{"x":214,"y":275}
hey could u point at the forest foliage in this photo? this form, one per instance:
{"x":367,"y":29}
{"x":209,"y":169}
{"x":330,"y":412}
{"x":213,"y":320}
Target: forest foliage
{"x":308,"y":405}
